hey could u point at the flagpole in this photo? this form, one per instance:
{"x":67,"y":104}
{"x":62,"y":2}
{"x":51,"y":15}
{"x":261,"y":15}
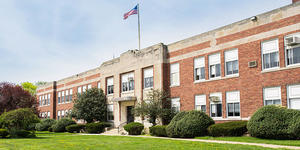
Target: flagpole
{"x":139,"y":26}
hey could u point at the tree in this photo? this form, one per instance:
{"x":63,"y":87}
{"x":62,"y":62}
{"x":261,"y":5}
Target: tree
{"x":31,"y":88}
{"x":40,"y":83}
{"x":14,"y":96}
{"x":90,"y":106}
{"x":155,"y":106}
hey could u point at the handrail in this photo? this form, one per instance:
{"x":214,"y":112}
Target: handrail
{"x":121,"y":125}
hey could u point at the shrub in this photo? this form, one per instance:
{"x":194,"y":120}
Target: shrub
{"x":3,"y":133}
{"x":75,"y":128}
{"x":21,"y":133}
{"x":134,"y":128}
{"x":95,"y":127}
{"x":158,"y":131}
{"x":275,"y":122}
{"x":60,"y":125}
{"x":45,"y":124}
{"x":235,"y":128}
{"x":50,"y":129}
{"x":189,"y":124}
{"x":18,"y":119}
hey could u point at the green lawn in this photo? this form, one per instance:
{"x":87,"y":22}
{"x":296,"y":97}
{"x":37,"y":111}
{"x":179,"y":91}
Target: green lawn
{"x":46,"y":140}
{"x":253,"y":140}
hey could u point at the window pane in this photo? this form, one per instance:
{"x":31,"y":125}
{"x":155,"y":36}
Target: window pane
{"x":219,"y":110}
{"x":296,"y":55}
{"x":203,"y":108}
{"x":236,"y":109}
{"x":197,"y":74}
{"x":235,"y":65}
{"x":274,"y":59}
{"x":229,"y":68}
{"x":276,"y":102}
{"x":230,"y":109}
{"x":269,"y":102}
{"x":218,"y":70}
{"x":266,"y":60}
{"x":212,"y":71}
{"x":202,"y":72}
{"x":295,"y":103}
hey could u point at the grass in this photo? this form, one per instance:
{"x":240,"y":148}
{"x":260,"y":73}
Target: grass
{"x":55,"y":141}
{"x":253,"y":140}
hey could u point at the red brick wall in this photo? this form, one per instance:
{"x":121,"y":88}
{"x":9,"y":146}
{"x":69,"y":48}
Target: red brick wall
{"x":250,"y":82}
{"x":294,"y":1}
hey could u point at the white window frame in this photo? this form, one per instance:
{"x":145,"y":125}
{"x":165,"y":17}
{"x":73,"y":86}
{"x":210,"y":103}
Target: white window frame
{"x":125,"y":79}
{"x":84,"y":88}
{"x":276,"y":49}
{"x":174,"y":69}
{"x":59,"y":97}
{"x":175,"y":102}
{"x":214,"y":59}
{"x":286,"y":48}
{"x":200,"y":100}
{"x":198,"y":64}
{"x":99,"y":85}
{"x":293,"y":94}
{"x":71,"y":95}
{"x":67,"y":96}
{"x":148,"y":74}
{"x":218,"y":94}
{"x":79,"y":90}
{"x":230,"y":56}
{"x":233,"y":97}
{"x":110,"y":82}
{"x":62,"y":97}
{"x":89,"y":86}
{"x":267,"y":96}
{"x":110,"y":108}
{"x":58,"y":115}
{"x":49,"y":99}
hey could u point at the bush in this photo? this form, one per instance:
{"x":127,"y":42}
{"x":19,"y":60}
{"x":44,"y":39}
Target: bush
{"x":275,"y":122}
{"x":95,"y":127}
{"x":50,"y":129}
{"x":75,"y":128}
{"x":19,"y":119}
{"x":60,"y":125}
{"x":158,"y":131}
{"x":235,"y":128}
{"x":134,"y":128}
{"x":21,"y":133}
{"x":45,"y":124}
{"x":189,"y":124}
{"x":3,"y":133}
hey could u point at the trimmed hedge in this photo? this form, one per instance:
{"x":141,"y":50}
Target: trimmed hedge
{"x":158,"y":130}
{"x":134,"y":128}
{"x":45,"y":124}
{"x":189,"y":124}
{"x":75,"y":128}
{"x":60,"y":125}
{"x":3,"y":133}
{"x":275,"y":122}
{"x":95,"y":127}
{"x":234,"y":128}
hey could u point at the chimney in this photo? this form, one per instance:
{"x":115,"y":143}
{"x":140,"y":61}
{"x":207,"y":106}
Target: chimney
{"x":295,"y":1}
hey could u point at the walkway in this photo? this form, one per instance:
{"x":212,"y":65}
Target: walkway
{"x":209,"y":141}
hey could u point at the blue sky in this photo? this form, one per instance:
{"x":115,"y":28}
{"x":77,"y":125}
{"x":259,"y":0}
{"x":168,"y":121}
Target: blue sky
{"x":47,"y":40}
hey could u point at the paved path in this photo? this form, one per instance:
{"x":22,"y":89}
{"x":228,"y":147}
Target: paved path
{"x":209,"y":141}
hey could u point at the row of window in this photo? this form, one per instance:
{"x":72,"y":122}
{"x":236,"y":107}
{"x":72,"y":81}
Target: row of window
{"x":44,"y":100}
{"x":63,"y":113}
{"x":127,"y":81}
{"x":65,"y":96}
{"x":44,"y":115}
{"x":270,"y":59}
{"x":272,"y":95}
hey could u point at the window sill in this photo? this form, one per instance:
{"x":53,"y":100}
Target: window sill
{"x":229,"y":118}
{"x":109,"y":95}
{"x":280,"y":69}
{"x":174,"y":86}
{"x":147,"y":89}
{"x":216,"y":79}
{"x":126,"y":92}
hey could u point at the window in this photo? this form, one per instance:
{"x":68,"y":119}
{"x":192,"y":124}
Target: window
{"x":40,"y":101}
{"x":83,"y":88}
{"x":294,"y":96}
{"x":89,"y":86}
{"x":199,"y":68}
{"x":99,"y":85}
{"x":63,"y":97}
{"x":127,"y":82}
{"x":49,"y":96}
{"x":233,"y":103}
{"x":200,"y":102}
{"x":70,"y":95}
{"x":231,"y":62}
{"x":270,"y":54}
{"x":62,"y":114}
{"x":214,"y":65}
{"x":67,"y":96}
{"x":175,"y":104}
{"x":272,"y":96}
{"x":48,"y":114}
{"x":216,"y":104}
{"x":58,"y":101}
{"x":58,"y":115}
{"x":110,"y":85}
{"x":293,"y":50}
{"x":174,"y":76}
{"x":148,"y":78}
{"x":79,"y":90}
{"x":110,"y":112}
{"x":66,"y":113}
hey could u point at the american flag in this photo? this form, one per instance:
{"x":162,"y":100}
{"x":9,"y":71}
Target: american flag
{"x":131,"y":12}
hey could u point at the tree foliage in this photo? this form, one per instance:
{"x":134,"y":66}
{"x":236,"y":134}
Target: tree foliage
{"x":155,"y":106}
{"x":14,"y":96}
{"x":31,"y":88}
{"x":90,"y":106}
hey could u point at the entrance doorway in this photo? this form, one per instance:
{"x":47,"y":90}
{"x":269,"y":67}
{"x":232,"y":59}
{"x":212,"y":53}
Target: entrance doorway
{"x":130,"y":116}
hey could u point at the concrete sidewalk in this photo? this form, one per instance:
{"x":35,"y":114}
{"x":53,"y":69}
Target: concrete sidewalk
{"x":209,"y":141}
